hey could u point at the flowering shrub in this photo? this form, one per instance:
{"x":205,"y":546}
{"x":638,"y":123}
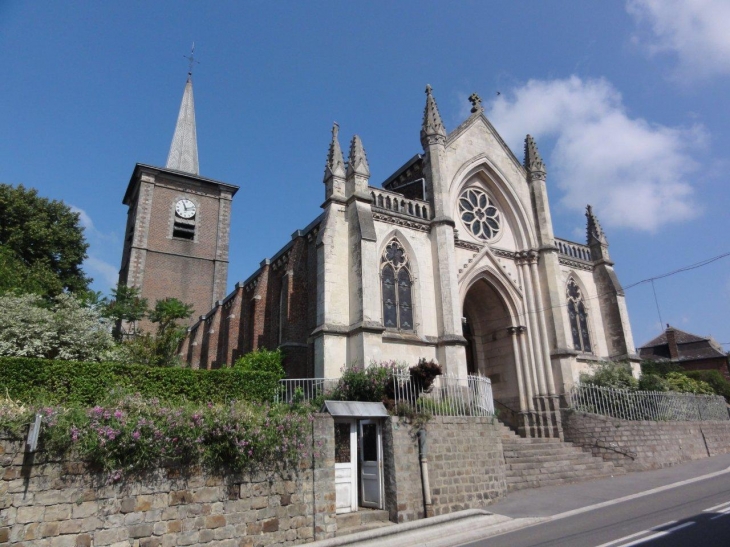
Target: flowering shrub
{"x":373,"y":383}
{"x":135,"y":434}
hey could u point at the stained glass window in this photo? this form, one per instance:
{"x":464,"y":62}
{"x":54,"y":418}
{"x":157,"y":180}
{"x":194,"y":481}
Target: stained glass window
{"x":479,"y":214}
{"x":397,"y":286}
{"x":578,"y":318}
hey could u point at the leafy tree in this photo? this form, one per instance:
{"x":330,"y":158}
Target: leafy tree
{"x":125,"y":306}
{"x":160,"y":348}
{"x":63,"y":329}
{"x":166,"y":314}
{"x":18,"y":278}
{"x":45,"y":235}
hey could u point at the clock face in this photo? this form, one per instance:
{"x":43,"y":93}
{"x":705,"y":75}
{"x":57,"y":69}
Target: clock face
{"x":185,"y":208}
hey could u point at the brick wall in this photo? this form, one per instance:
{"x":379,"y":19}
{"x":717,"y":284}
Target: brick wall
{"x":465,"y":462}
{"x":642,"y":445}
{"x":275,"y":308}
{"x":61,"y":504}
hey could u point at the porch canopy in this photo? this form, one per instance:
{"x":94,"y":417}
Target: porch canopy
{"x":355,"y":409}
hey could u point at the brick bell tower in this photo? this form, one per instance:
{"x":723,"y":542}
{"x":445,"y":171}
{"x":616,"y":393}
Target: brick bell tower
{"x":178,"y":224}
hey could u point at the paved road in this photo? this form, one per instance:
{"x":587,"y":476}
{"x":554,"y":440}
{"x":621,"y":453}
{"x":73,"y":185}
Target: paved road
{"x":696,"y":514}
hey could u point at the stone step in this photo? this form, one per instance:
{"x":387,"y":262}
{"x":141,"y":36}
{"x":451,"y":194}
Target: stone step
{"x":538,"y":462}
{"x":549,"y":481}
{"x":559,"y":464}
{"x":361,"y":520}
{"x":362,"y":528}
{"x":543,"y":453}
{"x":558,"y":470}
{"x":543,"y":458}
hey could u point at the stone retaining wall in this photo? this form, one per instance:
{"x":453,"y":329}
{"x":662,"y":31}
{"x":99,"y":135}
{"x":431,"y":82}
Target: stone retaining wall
{"x":642,"y":445}
{"x":465,"y":463}
{"x":61,"y":504}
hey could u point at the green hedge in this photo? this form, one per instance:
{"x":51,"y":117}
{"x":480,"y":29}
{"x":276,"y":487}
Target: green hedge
{"x":82,"y":383}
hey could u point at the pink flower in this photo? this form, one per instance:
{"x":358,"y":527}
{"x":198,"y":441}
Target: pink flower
{"x":136,"y":435}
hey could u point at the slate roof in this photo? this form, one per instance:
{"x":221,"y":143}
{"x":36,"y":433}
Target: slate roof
{"x":690,"y":347}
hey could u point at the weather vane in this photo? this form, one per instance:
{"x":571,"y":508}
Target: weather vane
{"x":191,"y":60}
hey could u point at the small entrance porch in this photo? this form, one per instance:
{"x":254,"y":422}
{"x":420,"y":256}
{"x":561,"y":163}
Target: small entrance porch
{"x":358,"y":455}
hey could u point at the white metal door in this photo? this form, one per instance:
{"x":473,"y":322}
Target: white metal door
{"x":371,"y":464}
{"x":345,"y":466}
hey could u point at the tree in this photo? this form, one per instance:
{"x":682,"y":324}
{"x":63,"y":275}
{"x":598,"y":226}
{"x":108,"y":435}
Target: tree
{"x":125,"y":306}
{"x":63,"y":329}
{"x":161,"y":348}
{"x":166,"y":314}
{"x":45,"y":235}
{"x":18,"y":278}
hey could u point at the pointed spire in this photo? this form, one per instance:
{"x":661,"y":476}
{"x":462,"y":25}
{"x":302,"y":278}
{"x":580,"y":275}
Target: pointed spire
{"x":533,"y":161}
{"x":335,"y":166}
{"x":594,"y":231}
{"x":432,"y":129}
{"x":184,"y":148}
{"x":357,"y":162}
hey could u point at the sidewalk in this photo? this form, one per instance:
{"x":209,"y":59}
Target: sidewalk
{"x":529,"y":507}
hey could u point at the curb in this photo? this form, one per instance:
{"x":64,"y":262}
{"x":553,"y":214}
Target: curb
{"x":400,"y":528}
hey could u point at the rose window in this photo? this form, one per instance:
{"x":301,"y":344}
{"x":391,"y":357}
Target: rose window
{"x":479,"y":214}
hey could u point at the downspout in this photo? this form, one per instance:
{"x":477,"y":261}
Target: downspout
{"x":422,"y":450}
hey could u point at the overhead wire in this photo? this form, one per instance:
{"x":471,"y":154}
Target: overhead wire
{"x":687,"y":268}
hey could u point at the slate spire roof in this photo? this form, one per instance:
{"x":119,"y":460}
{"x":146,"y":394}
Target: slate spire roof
{"x":183,"y":154}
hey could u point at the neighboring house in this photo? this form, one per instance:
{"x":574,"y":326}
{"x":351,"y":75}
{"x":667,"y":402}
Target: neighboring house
{"x":690,"y":351}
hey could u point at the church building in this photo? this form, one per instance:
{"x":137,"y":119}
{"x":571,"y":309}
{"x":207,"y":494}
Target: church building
{"x":452,"y":258}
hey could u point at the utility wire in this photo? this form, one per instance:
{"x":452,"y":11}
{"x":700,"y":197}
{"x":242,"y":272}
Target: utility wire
{"x":694,"y":266}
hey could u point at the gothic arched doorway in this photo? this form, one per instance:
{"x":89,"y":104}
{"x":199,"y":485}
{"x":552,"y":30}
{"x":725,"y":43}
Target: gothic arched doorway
{"x":490,"y":351}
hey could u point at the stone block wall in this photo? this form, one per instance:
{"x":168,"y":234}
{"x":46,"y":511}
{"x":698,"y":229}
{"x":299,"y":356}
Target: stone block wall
{"x":465,"y":463}
{"x":46,"y":503}
{"x":643,"y":445}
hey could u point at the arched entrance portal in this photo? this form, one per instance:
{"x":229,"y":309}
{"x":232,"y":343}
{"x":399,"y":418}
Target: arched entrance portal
{"x":490,"y":351}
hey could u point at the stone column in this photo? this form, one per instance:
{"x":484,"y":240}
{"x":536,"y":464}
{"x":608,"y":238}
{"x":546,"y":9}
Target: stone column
{"x":514,"y":332}
{"x":533,"y":340}
{"x":540,"y":312}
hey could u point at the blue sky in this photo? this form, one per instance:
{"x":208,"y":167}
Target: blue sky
{"x":627,"y":101}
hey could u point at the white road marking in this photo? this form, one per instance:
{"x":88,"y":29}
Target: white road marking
{"x":712,"y":509}
{"x":657,"y":535}
{"x":724,"y":513}
{"x":637,"y":534}
{"x":637,"y":495}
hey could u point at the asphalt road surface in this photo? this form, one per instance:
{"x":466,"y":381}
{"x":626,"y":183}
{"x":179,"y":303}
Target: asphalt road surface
{"x":692,"y":515}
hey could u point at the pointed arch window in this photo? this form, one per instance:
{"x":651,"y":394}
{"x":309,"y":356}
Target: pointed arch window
{"x":397,"y":284}
{"x":578,"y":317}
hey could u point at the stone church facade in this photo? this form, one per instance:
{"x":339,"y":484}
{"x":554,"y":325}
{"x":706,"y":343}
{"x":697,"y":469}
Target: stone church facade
{"x":452,"y":258}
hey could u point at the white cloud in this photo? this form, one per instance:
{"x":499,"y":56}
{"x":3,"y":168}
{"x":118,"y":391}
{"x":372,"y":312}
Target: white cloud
{"x":103,"y":247}
{"x":696,"y":31}
{"x":634,"y":173}
{"x":99,"y":268}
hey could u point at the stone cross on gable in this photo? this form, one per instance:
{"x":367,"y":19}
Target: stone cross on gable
{"x":476,"y":102}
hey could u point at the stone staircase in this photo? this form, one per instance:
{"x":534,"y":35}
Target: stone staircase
{"x":361,"y":521}
{"x":536,"y":462}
